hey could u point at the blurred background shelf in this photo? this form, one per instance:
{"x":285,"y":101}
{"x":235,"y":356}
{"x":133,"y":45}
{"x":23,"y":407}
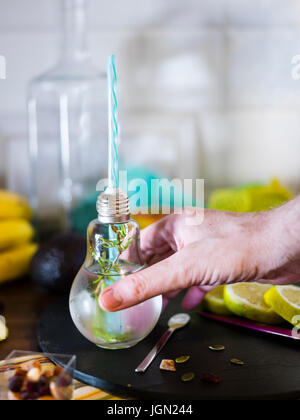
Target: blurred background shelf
{"x":220,"y":69}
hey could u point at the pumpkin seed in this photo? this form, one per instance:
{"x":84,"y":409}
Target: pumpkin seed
{"x":186,"y":377}
{"x":182,"y":359}
{"x":217,"y":347}
{"x":237,"y":362}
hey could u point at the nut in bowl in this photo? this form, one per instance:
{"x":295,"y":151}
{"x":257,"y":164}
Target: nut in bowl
{"x":37,"y":377}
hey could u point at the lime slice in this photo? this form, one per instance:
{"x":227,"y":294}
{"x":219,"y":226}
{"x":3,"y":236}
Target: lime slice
{"x":247,"y":300}
{"x":214,"y":302}
{"x":285,"y":301}
{"x":3,"y":329}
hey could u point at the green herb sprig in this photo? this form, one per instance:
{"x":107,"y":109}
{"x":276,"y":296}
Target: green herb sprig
{"x":107,"y":265}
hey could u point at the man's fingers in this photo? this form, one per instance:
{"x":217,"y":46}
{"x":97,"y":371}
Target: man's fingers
{"x":289,"y":278}
{"x":165,"y":303}
{"x":158,"y":238}
{"x":168,"y":275}
{"x":171,"y":295}
{"x":193,"y":297}
{"x":159,"y":257}
{"x":150,"y":237}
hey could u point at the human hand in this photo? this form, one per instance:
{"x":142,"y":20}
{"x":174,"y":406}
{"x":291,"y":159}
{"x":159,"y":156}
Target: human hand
{"x":225,"y":248}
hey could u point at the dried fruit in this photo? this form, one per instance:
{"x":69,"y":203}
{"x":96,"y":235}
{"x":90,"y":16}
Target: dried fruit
{"x":20,"y":372}
{"x":44,"y":386}
{"x":44,"y":390}
{"x":57,"y":371}
{"x":186,"y":377}
{"x":15,"y":383}
{"x":36,"y":364}
{"x":34,"y":374}
{"x":64,"y":380}
{"x":217,"y":347}
{"x":237,"y":362}
{"x":210,"y":378}
{"x":48,"y":374}
{"x":168,"y":364}
{"x":32,"y":386}
{"x":28,"y":383}
{"x":182,"y":359}
{"x":26,"y":395}
{"x":14,"y":396}
{"x":44,"y":379}
{"x":61,"y":393}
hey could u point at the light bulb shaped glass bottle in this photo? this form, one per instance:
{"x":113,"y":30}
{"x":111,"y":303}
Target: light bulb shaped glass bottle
{"x":113,"y":252}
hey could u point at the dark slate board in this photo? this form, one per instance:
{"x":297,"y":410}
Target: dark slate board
{"x":271,"y":370}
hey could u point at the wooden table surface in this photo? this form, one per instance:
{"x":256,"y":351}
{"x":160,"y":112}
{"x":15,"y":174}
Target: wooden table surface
{"x":23,"y":304}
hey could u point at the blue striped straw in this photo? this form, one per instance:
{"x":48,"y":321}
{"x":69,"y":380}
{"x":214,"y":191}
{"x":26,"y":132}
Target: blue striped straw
{"x":113,"y":129}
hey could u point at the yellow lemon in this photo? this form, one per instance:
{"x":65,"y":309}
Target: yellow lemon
{"x":214,"y":302}
{"x":247,"y":300}
{"x":285,"y":301}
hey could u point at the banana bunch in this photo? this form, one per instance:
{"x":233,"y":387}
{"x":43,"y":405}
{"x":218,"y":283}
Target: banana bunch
{"x":3,"y":329}
{"x":16,"y":235}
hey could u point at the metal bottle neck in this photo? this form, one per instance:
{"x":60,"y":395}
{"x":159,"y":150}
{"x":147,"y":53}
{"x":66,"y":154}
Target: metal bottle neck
{"x":113,"y":206}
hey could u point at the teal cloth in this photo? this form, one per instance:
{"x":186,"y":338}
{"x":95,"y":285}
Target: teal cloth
{"x":85,"y":211}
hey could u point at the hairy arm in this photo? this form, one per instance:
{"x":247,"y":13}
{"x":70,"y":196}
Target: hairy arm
{"x":224,"y":248}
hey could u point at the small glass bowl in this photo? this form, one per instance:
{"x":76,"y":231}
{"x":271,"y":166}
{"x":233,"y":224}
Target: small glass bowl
{"x":23,"y":359}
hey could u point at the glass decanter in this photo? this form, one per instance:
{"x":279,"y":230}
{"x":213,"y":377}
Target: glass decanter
{"x":113,"y":252}
{"x":67,"y":128}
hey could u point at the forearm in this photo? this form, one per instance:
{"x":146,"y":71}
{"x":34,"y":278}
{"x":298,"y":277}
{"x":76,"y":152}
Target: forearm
{"x":284,"y":225}
{"x":225,"y":248}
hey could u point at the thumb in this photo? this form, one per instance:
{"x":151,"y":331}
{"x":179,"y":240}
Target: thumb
{"x":166,"y":276}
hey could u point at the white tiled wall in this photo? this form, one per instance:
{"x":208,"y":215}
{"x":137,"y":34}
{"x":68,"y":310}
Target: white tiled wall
{"x":259,"y":63}
{"x":224,"y":65}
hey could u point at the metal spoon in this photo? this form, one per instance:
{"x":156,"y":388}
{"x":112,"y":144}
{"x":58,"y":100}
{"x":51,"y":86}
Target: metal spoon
{"x":175,"y":323}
